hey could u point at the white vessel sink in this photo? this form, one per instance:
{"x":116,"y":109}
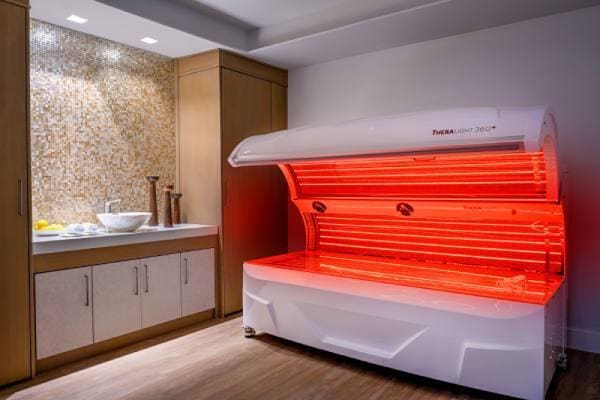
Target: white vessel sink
{"x":124,"y":222}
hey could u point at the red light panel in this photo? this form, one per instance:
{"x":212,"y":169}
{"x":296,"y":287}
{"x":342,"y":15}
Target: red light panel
{"x":485,"y":224}
{"x":492,"y":175}
{"x":534,"y":246}
{"x":500,"y":283}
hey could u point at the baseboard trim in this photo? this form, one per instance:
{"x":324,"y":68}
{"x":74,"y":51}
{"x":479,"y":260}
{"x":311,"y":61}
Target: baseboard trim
{"x":584,"y":340}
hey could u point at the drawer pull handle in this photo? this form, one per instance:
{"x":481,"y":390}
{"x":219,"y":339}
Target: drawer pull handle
{"x":87,"y":290}
{"x":146,"y":271}
{"x":137,"y":281}
{"x":185,"y":263}
{"x":21,"y":197}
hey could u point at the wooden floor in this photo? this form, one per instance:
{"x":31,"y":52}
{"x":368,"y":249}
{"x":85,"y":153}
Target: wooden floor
{"x":214,"y":361}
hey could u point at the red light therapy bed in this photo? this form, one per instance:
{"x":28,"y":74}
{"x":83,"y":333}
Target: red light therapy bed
{"x":435,"y":244}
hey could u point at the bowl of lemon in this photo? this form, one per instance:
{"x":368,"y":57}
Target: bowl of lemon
{"x":43,"y":228}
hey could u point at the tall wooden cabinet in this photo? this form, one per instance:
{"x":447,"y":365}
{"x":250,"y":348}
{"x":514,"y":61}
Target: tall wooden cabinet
{"x":222,"y":99}
{"x":15,"y":356}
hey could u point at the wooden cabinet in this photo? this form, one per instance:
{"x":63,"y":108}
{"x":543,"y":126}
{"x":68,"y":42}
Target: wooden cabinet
{"x":224,"y":98}
{"x":255,"y":203}
{"x":117,"y":299}
{"x":161,"y":289}
{"x":15,"y":338}
{"x":197,"y":281}
{"x":63,"y":310}
{"x":199,"y":164}
{"x":113,"y":303}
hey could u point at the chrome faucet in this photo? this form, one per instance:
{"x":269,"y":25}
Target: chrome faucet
{"x":109,"y":205}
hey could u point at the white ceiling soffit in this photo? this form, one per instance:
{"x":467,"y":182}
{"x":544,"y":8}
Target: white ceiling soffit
{"x":113,"y":24}
{"x":421,"y":23}
{"x":191,"y":17}
{"x":293,"y":19}
{"x":292,"y":33}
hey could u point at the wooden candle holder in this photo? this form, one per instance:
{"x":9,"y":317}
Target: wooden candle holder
{"x":152,"y":204}
{"x":168,"y":214}
{"x":176,"y":208}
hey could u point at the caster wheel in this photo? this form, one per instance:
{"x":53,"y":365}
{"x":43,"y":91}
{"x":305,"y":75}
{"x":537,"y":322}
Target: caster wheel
{"x":249,"y":332}
{"x":562,"y":361}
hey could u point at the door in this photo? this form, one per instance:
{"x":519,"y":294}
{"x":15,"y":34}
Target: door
{"x":197,"y":281}
{"x":15,"y":336}
{"x":161,"y":289}
{"x":254,"y":198}
{"x":63,"y":310}
{"x":117,"y":299}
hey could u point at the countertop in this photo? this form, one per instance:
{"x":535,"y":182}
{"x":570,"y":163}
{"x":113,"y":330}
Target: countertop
{"x":58,"y":244}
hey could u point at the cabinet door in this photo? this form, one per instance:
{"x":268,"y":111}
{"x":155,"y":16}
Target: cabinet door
{"x":161,"y":284}
{"x":199,"y":167}
{"x":255,"y":199}
{"x":63,"y":310}
{"x":117,"y":299}
{"x":14,"y":210}
{"x":197,"y":281}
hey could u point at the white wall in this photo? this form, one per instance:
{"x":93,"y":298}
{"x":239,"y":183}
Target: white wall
{"x":551,"y":61}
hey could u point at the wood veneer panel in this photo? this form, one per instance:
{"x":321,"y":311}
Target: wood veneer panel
{"x":15,"y":339}
{"x":253,"y":68}
{"x":21,"y":3}
{"x":234,"y":62}
{"x":104,"y":255}
{"x":199,"y":164}
{"x":254,"y":209}
{"x":198,"y":62}
{"x":209,"y":127}
{"x":199,"y":144}
{"x":278,"y":107}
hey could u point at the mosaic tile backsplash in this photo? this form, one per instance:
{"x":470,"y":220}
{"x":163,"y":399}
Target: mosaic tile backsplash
{"x":102,"y":118}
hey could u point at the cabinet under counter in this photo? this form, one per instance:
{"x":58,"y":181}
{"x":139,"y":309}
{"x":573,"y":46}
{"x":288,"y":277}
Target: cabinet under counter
{"x":100,"y":293}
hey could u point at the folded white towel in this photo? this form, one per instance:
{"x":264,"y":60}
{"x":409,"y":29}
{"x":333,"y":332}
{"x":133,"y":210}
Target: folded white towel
{"x":90,"y":228}
{"x":75,"y":228}
{"x":79,"y":229}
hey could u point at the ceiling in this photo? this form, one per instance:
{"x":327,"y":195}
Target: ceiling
{"x":254,"y":12}
{"x":266,"y":13}
{"x":290,"y":33}
{"x":113,"y":24}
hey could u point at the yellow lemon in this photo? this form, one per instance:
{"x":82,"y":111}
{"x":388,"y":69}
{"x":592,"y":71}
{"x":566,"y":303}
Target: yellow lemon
{"x":42,"y":223}
{"x":53,"y":227}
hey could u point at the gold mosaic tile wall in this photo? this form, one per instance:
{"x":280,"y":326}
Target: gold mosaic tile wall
{"x":102,"y":118}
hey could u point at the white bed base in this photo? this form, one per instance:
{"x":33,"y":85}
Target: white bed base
{"x":500,"y":346}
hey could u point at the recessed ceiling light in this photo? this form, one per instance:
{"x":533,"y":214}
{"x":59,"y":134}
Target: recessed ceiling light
{"x":77,"y":19}
{"x":149,"y":40}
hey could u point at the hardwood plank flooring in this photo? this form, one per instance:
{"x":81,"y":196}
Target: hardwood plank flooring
{"x":214,"y":361}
